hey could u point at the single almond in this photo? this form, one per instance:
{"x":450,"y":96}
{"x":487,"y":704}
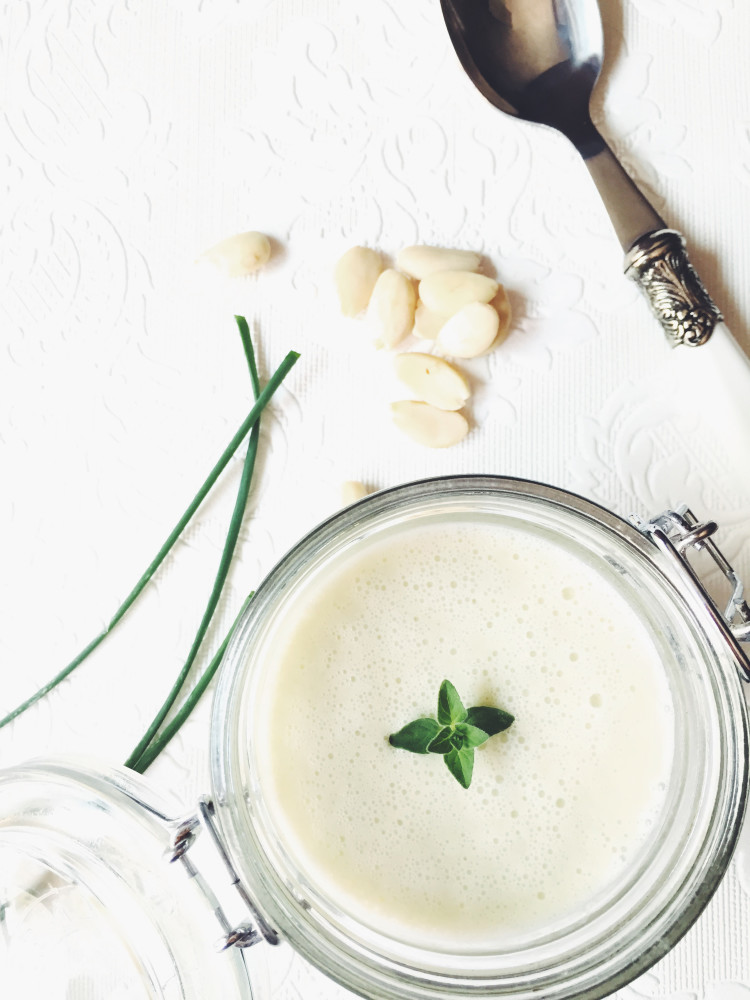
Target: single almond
{"x":355,"y":275}
{"x":427,"y":323}
{"x":501,"y":304}
{"x":351,"y":491}
{"x":447,"y":291}
{"x":432,"y":380}
{"x":392,"y":307}
{"x":240,"y":254}
{"x":470,"y":332}
{"x":419,"y":261}
{"x":428,"y":425}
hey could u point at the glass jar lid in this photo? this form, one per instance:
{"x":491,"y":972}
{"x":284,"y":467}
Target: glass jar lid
{"x":89,"y":902}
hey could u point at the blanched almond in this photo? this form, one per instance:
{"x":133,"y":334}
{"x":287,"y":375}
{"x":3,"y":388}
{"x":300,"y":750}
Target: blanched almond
{"x":501,"y":304}
{"x":433,"y":380}
{"x":351,"y":491}
{"x":470,"y":332}
{"x":427,"y":323}
{"x":428,"y":425}
{"x":447,"y":291}
{"x":419,"y":261}
{"x":392,"y":307}
{"x":355,"y":274}
{"x":240,"y":254}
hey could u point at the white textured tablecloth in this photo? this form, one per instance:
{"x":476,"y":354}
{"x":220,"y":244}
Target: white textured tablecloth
{"x":135,"y":133}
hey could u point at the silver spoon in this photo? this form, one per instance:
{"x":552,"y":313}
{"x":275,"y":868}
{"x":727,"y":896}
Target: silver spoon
{"x":539,"y":60}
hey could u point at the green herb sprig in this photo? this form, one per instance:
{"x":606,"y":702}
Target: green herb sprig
{"x":154,"y":742}
{"x":454,"y":734}
{"x":135,"y":761}
{"x":164,"y":737}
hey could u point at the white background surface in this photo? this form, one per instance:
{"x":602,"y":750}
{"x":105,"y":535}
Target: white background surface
{"x":134,"y":134}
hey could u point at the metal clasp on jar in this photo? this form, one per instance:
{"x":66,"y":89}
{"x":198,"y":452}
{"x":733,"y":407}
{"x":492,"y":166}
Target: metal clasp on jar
{"x":678,"y":531}
{"x":235,"y":933}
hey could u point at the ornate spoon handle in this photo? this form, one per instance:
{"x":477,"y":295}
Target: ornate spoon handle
{"x":659,"y":265}
{"x":655,"y":256}
{"x":711,"y":371}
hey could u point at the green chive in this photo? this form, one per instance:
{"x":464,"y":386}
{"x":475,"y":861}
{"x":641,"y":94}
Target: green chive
{"x":273,"y":383}
{"x":235,"y":525}
{"x":158,"y":744}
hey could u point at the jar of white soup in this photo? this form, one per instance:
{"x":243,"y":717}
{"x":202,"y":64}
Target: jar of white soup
{"x":594,"y":828}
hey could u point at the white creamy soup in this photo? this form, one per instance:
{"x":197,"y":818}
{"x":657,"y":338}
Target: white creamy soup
{"x":560,"y":803}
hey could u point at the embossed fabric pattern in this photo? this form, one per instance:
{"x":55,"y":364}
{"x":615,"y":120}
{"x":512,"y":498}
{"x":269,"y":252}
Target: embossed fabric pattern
{"x":136,"y":133}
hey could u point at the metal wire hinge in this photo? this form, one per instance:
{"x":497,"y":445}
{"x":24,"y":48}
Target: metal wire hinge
{"x":241,"y":934}
{"x":676,"y":532}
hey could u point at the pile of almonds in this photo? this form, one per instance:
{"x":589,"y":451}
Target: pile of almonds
{"x":434,"y":293}
{"x":438,"y":295}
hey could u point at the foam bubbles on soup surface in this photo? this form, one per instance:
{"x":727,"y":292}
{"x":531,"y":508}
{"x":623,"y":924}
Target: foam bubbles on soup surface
{"x":559,"y":804}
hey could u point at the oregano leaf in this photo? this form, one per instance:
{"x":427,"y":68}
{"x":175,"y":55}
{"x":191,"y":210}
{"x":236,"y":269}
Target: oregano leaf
{"x":450,"y":709}
{"x":472,"y":736}
{"x":460,"y":763}
{"x":415,"y":736}
{"x":491,"y":720}
{"x":442,"y":742}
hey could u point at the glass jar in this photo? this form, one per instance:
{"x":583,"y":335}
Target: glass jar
{"x":78,"y":827}
{"x":633,"y":922}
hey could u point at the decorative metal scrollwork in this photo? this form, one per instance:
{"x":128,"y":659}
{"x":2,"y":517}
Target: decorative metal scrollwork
{"x":658,"y":263}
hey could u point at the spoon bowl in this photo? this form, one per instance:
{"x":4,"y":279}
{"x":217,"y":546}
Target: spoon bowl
{"x":535,"y":59}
